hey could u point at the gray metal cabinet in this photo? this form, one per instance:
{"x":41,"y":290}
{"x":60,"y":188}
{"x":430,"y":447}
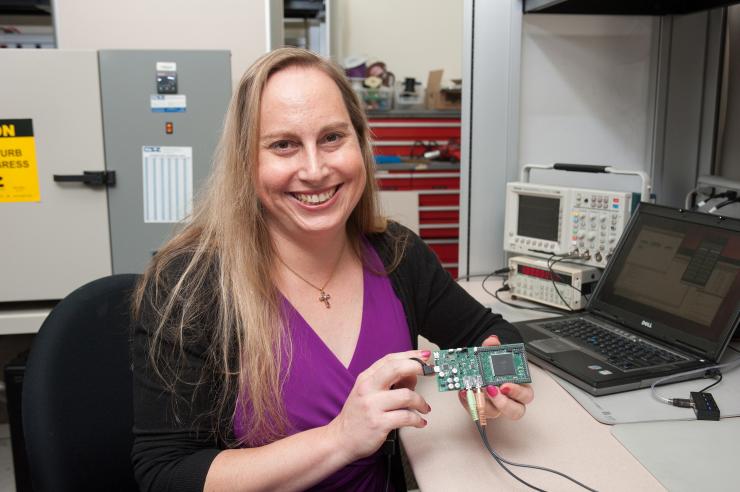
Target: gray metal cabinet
{"x":153,"y":167}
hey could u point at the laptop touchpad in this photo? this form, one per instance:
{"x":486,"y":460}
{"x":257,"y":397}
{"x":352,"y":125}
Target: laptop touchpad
{"x":552,"y":345}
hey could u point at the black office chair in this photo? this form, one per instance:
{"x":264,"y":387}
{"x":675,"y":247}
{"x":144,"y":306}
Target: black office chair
{"x":77,"y":392}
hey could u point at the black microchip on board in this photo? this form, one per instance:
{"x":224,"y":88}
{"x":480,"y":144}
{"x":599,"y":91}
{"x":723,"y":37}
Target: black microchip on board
{"x":503,"y":364}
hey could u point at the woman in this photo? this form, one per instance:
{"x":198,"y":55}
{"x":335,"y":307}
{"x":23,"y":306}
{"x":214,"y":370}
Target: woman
{"x":272,"y":349}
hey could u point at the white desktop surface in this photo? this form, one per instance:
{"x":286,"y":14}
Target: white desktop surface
{"x":641,"y":406}
{"x":557,"y":432}
{"x":686,"y":456}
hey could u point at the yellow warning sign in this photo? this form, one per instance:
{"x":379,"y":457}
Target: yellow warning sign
{"x":19,"y":177}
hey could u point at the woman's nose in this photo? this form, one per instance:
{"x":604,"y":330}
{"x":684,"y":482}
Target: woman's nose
{"x":313,"y":167}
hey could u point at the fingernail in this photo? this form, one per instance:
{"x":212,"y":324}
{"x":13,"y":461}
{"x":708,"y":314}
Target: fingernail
{"x":462,"y":393}
{"x":505,"y":390}
{"x":429,"y":407}
{"x":492,"y":391}
{"x":493,"y":336}
{"x":424,"y":422}
{"x":426,"y":353}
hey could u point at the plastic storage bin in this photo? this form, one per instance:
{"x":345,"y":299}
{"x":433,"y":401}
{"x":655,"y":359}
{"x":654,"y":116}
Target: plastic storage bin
{"x":380,"y":99}
{"x":410,"y":100}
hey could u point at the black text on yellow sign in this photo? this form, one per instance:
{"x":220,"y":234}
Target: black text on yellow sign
{"x":19,"y":180}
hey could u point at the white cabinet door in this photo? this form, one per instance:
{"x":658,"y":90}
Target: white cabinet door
{"x":58,"y":243}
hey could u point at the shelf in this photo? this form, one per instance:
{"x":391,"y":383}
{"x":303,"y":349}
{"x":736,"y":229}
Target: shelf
{"x":303,"y":8}
{"x":25,"y":7}
{"x":416,"y":113}
{"x":622,"y":7}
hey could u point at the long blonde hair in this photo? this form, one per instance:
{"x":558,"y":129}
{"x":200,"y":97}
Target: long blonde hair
{"x":218,"y":269}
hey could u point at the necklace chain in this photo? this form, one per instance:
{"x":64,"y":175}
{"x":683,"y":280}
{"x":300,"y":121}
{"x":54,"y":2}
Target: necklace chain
{"x":324,"y":296}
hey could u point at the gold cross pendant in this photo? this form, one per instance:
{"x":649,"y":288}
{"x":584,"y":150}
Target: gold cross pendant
{"x":324,"y":297}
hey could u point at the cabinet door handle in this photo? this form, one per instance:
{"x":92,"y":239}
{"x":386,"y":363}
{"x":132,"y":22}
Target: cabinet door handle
{"x":91,"y":178}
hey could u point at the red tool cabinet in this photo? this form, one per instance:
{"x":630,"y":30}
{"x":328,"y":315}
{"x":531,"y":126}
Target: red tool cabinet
{"x":437,"y":183}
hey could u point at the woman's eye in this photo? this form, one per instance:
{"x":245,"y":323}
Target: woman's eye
{"x":333,"y":138}
{"x":282,"y":145}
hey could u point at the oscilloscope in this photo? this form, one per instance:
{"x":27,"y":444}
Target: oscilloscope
{"x":542,"y":220}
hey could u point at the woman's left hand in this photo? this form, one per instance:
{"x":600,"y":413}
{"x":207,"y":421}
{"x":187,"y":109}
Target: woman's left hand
{"x":510,"y":400}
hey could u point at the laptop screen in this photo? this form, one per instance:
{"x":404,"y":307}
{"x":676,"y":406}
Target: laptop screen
{"x":676,"y":276}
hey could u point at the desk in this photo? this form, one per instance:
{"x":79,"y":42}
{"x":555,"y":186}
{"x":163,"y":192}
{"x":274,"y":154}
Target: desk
{"x":17,"y":321}
{"x":556,"y":432}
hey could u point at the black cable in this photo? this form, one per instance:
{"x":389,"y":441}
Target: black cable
{"x":713,"y":196}
{"x":724,"y":204}
{"x":697,"y":205}
{"x":518,"y":306}
{"x":500,"y":460}
{"x":388,"y":474}
{"x":501,"y":272}
{"x":565,"y":258}
{"x":550,"y":264}
{"x":719,"y":379}
{"x":496,"y":457}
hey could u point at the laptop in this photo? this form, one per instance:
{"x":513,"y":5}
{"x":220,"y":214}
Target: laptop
{"x":667,"y":302}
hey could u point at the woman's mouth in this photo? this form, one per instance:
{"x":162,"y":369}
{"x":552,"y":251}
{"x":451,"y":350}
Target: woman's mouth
{"x":315,"y":198}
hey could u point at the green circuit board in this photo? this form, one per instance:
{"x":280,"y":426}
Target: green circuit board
{"x":475,"y":367}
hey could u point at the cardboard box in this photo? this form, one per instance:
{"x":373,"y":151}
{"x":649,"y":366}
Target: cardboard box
{"x":441,"y":98}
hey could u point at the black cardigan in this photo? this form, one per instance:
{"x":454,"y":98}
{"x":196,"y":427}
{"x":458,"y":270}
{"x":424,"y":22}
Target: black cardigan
{"x":173,"y":449}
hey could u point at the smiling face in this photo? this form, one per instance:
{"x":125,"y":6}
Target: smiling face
{"x":310,"y":174}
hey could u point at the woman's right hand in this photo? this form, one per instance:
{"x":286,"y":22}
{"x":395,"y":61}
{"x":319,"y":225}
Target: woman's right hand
{"x":382,"y":399}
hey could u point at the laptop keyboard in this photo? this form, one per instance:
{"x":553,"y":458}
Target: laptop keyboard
{"x":620,"y":351}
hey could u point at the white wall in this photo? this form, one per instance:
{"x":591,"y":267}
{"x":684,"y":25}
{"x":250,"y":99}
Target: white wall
{"x":587,"y":87}
{"x":548,"y":88}
{"x":729,"y":154}
{"x":236,"y":25}
{"x":411,"y":36}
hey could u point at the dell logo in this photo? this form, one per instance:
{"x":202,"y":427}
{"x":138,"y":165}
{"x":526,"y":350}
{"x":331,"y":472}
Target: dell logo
{"x":647,"y":324}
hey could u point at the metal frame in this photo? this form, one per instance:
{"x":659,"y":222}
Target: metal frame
{"x":490,"y":128}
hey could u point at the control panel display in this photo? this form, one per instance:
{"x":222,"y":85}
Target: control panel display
{"x":538,"y":217}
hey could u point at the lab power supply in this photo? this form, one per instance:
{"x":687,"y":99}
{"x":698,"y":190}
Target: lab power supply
{"x":562,"y":285}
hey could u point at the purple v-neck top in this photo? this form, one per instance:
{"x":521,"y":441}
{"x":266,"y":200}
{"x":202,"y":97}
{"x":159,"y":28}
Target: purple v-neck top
{"x":318,"y":383}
